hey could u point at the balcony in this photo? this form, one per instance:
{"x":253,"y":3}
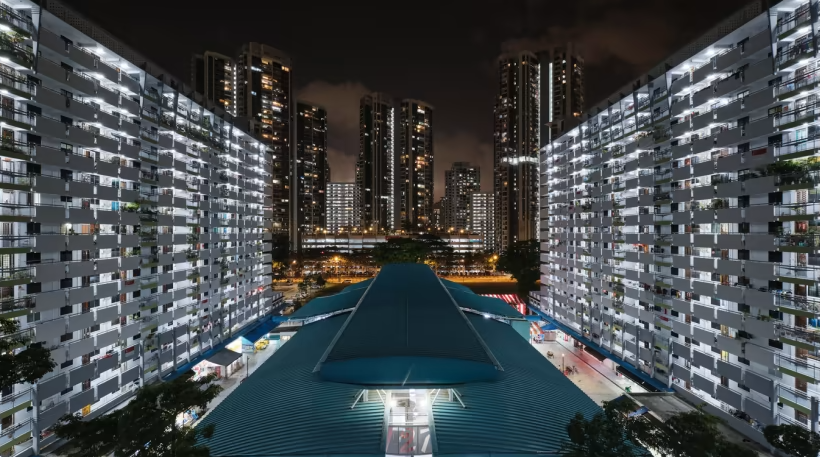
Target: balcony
{"x":798,"y":274}
{"x":797,"y":242}
{"x":18,"y":118}
{"x":801,"y":49}
{"x":797,"y":149}
{"x":17,"y":22}
{"x":795,"y":86}
{"x":796,"y":118}
{"x":792,"y":23}
{"x":16,"y":53}
{"x":149,"y":135}
{"x":15,"y":434}
{"x":801,"y":369}
{"x":799,"y":337}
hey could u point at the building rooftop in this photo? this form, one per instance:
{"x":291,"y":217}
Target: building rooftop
{"x":326,"y":391}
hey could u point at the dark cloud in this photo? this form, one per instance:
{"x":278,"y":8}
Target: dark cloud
{"x":342,"y":104}
{"x":631,"y":35}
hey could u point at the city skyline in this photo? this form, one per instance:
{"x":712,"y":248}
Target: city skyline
{"x":464,"y":124}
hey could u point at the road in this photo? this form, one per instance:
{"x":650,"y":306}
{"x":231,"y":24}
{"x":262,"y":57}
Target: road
{"x":596,"y":379}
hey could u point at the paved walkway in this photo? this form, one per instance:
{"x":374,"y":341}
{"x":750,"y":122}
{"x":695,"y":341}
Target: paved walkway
{"x":596,"y":379}
{"x":231,"y":383}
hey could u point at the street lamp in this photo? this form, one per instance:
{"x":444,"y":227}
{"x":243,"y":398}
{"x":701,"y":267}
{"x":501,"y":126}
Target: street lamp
{"x":562,"y":363}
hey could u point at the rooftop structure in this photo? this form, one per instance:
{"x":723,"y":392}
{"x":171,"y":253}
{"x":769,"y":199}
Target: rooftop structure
{"x":404,"y":363}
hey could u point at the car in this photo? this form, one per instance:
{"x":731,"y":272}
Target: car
{"x":347,"y":281}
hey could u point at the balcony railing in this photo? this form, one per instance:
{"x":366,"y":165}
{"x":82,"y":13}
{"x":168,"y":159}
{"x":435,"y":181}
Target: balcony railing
{"x":792,"y":21}
{"x":150,"y":135}
{"x":23,"y":117}
{"x":799,"y":48}
{"x":20,"y":53}
{"x":799,"y":334}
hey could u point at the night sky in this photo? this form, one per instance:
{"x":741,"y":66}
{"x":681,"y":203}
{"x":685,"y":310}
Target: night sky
{"x":442,"y":51}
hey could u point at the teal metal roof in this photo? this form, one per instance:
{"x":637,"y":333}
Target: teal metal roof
{"x":524,"y":412}
{"x":454,"y":285}
{"x":495,"y":306}
{"x":284,"y":409}
{"x":346,"y":299}
{"x":407,"y":330}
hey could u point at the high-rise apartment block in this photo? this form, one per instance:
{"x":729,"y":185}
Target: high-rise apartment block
{"x":312,"y":171}
{"x":482,"y":218}
{"x":562,"y":90}
{"x":515,"y":152}
{"x":263,"y":103}
{"x":376,"y":167}
{"x":342,"y":207}
{"x":438,"y":214}
{"x":135,"y":219}
{"x":415,"y":172}
{"x":214,"y":76}
{"x":460,"y":182}
{"x":682,"y":212}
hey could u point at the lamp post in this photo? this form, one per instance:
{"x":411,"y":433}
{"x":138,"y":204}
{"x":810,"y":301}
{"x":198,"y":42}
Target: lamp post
{"x":562,"y":364}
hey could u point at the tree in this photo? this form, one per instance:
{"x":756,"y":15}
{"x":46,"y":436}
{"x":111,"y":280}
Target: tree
{"x":21,"y":366}
{"x":399,"y":250}
{"x":793,"y":440}
{"x":687,"y":434}
{"x":600,"y":436}
{"x":611,"y":433}
{"x":521,"y":260}
{"x":146,"y":426}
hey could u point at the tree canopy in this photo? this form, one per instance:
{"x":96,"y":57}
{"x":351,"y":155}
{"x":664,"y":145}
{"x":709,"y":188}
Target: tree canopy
{"x":18,"y":363}
{"x":612,"y":433}
{"x":521,"y":260}
{"x":793,"y":440}
{"x":146,"y":426}
{"x":423,"y":249}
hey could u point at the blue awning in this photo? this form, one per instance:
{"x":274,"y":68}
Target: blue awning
{"x":623,"y":363}
{"x":259,"y":332}
{"x":547,"y":327}
{"x":242,"y":332}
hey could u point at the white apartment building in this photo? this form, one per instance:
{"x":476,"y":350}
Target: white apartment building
{"x":134,"y":219}
{"x":679,"y":221}
{"x":342,"y":207}
{"x":482,"y":217}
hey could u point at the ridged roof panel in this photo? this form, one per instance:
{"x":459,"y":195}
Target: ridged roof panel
{"x":408,"y":312}
{"x":285,"y":409}
{"x":495,"y":306}
{"x":524,"y":412}
{"x":345,"y":299}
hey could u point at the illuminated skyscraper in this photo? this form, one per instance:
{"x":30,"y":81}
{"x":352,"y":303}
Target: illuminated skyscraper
{"x":516,"y":144}
{"x":311,"y":168}
{"x":415,"y":172}
{"x":460,"y":182}
{"x":376,"y":168}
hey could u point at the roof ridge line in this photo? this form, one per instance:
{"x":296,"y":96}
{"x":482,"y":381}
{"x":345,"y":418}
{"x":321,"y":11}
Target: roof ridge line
{"x":338,"y":335}
{"x":481,"y":341}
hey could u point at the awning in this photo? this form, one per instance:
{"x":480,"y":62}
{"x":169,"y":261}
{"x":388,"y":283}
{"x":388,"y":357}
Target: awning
{"x":224,"y":357}
{"x":259,"y":332}
{"x":548,"y":326}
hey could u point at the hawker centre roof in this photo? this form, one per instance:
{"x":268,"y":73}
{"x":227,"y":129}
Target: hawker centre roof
{"x":403,"y":329}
